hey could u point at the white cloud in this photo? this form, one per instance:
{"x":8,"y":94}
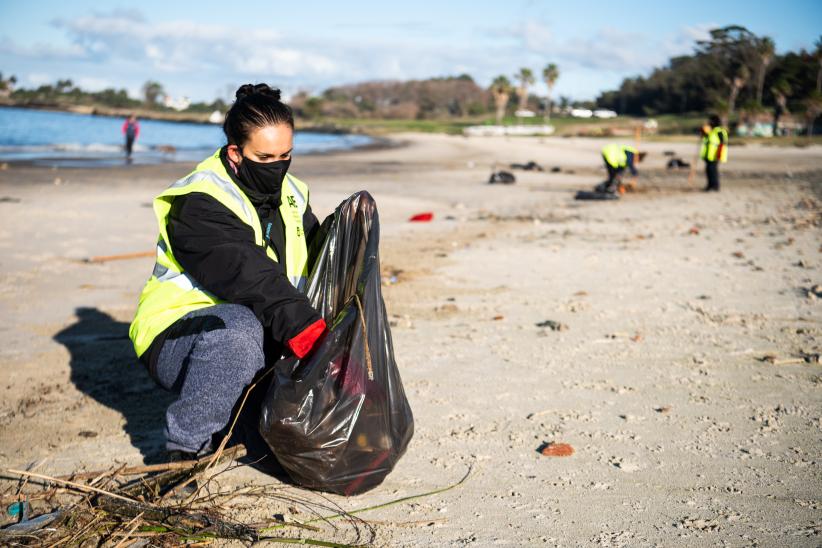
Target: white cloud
{"x":537,"y":36}
{"x":49,"y":52}
{"x":39,"y":78}
{"x":91,"y":83}
{"x":184,"y":46}
{"x":693,"y":33}
{"x":197,"y":60}
{"x":285,"y":62}
{"x":608,"y":48}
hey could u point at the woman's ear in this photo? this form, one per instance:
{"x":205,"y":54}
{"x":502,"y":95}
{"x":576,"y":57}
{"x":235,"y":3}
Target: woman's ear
{"x":234,"y":154}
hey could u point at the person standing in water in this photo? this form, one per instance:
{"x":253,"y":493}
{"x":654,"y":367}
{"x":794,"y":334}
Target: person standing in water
{"x":131,"y":129}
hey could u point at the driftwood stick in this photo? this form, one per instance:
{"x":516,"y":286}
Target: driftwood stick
{"x":136,"y":523}
{"x":235,"y":452}
{"x":120,"y":257}
{"x":78,"y":486}
{"x":80,"y":533}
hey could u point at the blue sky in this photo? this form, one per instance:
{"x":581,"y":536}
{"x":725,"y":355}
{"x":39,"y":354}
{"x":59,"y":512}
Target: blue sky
{"x":205,"y":49}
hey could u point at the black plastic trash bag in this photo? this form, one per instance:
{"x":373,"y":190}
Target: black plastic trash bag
{"x":338,"y":420}
{"x":589,"y":195}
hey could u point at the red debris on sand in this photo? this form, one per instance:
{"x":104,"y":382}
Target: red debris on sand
{"x":421,"y":217}
{"x":552,"y":449}
{"x":499,"y":317}
{"x":694,"y":230}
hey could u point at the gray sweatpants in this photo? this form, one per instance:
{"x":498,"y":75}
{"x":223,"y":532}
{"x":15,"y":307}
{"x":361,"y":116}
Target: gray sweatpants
{"x":210,"y":357}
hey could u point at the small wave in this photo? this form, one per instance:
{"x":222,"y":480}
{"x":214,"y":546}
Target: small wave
{"x":64,"y":147}
{"x":91,"y":147}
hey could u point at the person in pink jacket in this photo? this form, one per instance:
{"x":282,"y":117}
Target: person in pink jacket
{"x":131,"y":129}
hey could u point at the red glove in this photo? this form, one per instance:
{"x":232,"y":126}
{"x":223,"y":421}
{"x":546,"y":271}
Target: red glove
{"x":302,"y":343}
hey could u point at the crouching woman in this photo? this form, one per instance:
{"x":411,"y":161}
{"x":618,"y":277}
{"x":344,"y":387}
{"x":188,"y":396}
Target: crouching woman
{"x":232,"y":259}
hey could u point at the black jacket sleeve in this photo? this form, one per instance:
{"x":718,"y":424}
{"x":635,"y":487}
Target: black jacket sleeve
{"x":218,"y":250}
{"x":314,"y":236}
{"x":310,"y":225}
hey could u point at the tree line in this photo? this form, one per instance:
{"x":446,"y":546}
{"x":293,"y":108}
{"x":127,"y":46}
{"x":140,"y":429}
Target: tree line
{"x":65,"y":92}
{"x":454,"y":96}
{"x":433,"y":98}
{"x":734,"y":73}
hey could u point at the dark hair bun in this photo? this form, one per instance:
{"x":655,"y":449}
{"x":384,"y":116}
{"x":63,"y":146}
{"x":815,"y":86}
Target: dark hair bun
{"x":257,"y":106}
{"x":247,"y":90}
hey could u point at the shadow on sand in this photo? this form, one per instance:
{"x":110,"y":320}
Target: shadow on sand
{"x":103,"y":366}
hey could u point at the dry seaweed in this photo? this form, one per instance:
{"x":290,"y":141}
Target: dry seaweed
{"x":121,"y":506}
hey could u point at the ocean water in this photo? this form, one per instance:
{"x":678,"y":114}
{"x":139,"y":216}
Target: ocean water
{"x":66,"y":139}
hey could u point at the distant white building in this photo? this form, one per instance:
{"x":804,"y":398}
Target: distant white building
{"x":177,"y":104}
{"x":523,"y":113}
{"x":604,"y":113}
{"x":581,"y":113}
{"x":498,"y":131}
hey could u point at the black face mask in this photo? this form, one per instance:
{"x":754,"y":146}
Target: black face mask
{"x":265,"y":178}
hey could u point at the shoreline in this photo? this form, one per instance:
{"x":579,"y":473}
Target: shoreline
{"x":116,"y":112}
{"x":198,"y":118}
{"x":377,"y":143}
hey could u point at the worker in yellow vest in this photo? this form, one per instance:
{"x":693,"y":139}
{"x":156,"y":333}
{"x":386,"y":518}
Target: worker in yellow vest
{"x":232,"y":260}
{"x":714,"y":150}
{"x":617,"y":158}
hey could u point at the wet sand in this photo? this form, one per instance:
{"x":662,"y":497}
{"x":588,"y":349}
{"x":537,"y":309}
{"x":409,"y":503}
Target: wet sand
{"x":670,"y":297}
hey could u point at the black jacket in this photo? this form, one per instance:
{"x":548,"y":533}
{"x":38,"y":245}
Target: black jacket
{"x":218,"y":250}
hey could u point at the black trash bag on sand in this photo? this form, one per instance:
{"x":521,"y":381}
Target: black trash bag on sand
{"x":338,"y":420}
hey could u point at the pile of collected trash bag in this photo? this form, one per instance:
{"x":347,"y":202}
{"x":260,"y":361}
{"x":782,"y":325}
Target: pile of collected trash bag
{"x":338,"y":419}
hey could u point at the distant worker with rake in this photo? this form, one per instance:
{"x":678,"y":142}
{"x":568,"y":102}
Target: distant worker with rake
{"x":617,"y":158}
{"x":714,"y":150}
{"x":232,"y":260}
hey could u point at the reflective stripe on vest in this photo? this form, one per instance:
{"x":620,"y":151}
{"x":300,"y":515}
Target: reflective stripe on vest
{"x":170,"y":292}
{"x":294,"y":255}
{"x":710,"y":145}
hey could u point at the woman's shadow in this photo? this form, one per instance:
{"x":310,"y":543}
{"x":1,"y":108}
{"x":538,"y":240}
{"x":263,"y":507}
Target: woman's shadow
{"x":103,"y":366}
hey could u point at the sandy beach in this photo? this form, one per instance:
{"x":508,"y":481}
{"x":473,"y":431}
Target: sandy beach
{"x":670,"y":301}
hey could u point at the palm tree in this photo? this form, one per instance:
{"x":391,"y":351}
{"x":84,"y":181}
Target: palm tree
{"x":781,"y":90}
{"x":64,"y":86}
{"x":550,"y":74}
{"x":819,"y":58}
{"x":152,"y":91}
{"x":813,"y":107}
{"x":501,"y":90}
{"x":765,"y":48}
{"x":736,"y":83}
{"x":526,"y":78}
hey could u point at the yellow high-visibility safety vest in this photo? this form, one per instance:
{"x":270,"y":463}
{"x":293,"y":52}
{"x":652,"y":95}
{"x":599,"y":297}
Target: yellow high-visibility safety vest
{"x":615,"y":156}
{"x":710,"y":144}
{"x":170,"y":292}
